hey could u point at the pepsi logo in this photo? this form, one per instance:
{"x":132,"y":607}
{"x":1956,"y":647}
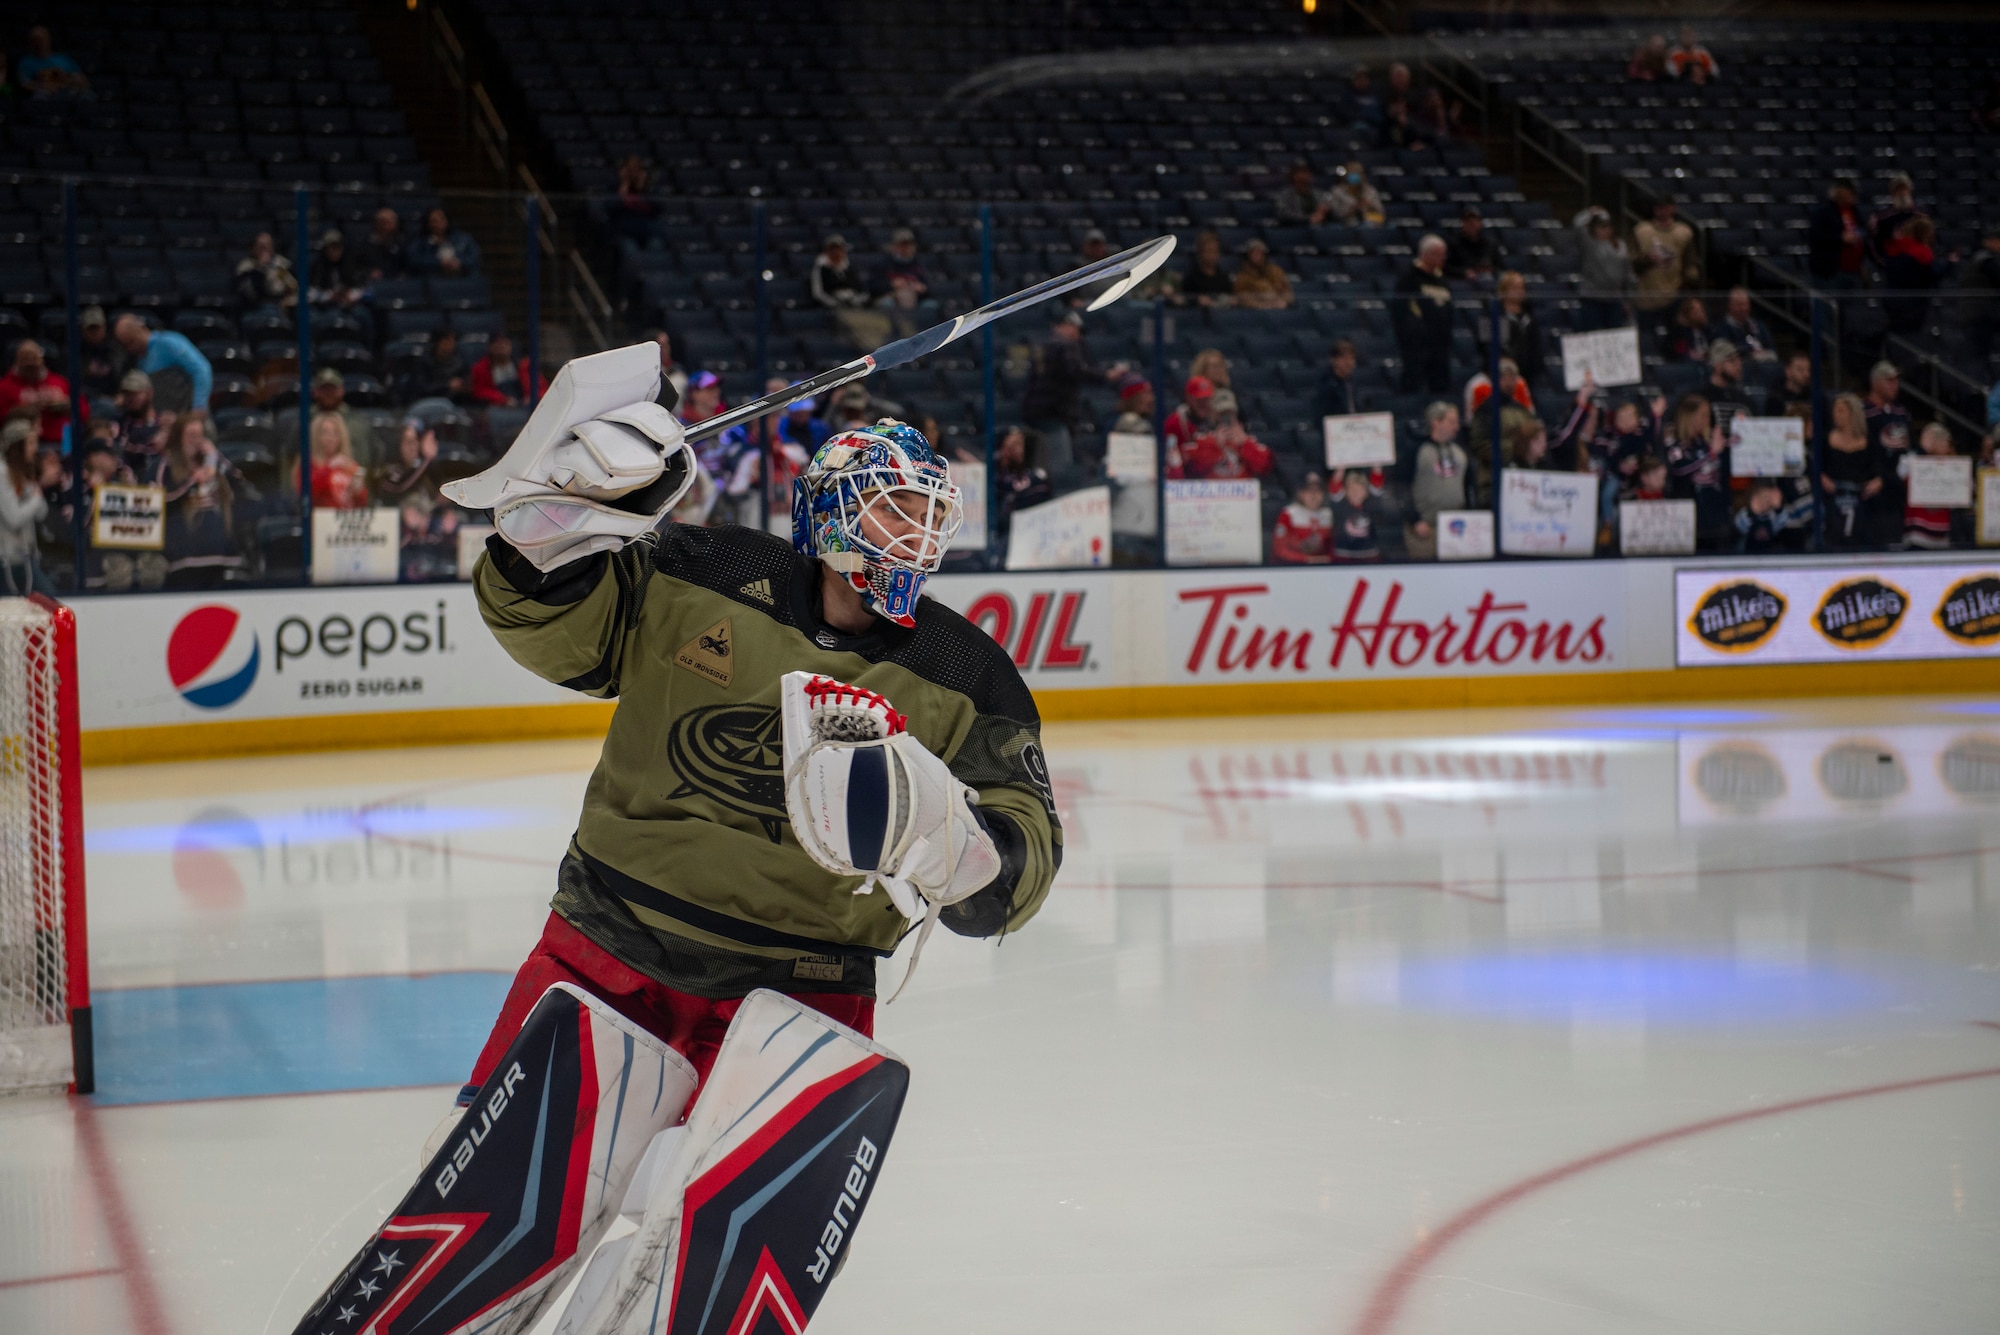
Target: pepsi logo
{"x":212,"y":657}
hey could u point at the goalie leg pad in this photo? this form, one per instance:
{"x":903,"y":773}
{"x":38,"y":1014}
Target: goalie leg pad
{"x":527,"y":1181}
{"x":756,"y":1212}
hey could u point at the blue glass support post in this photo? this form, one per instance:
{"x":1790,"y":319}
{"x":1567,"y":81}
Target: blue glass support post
{"x":79,"y":499}
{"x":1160,"y":422}
{"x":302,"y":247}
{"x":1819,"y":422}
{"x":534,"y":266}
{"x":766,"y":434}
{"x":986,"y":374}
{"x":1493,"y":379}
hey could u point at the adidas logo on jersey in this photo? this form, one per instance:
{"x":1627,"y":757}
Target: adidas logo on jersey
{"x":760,"y":589}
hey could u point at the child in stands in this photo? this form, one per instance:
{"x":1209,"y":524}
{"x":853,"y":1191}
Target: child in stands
{"x":1303,"y":531}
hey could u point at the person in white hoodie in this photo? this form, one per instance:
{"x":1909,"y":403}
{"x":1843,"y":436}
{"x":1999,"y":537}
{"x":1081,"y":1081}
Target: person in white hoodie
{"x":21,"y":509}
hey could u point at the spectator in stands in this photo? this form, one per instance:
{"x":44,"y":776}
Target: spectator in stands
{"x":103,"y":360}
{"x":140,"y":431}
{"x":1052,"y":404}
{"x":384,"y":254}
{"x":673,"y":372}
{"x":1520,"y":328}
{"x":733,"y":462}
{"x":1649,"y":61}
{"x":1206,"y":282}
{"x":834,"y":282}
{"x":704,"y":398}
{"x":852,"y":406}
{"x":1211,"y":364}
{"x":1724,"y":387}
{"x":1649,"y":480}
{"x":46,"y":72}
{"x":442,"y":374}
{"x":901,"y":261}
{"x":201,"y":488}
{"x":1355,"y":200}
{"x":1760,"y":524}
{"x":264,"y":277}
{"x":1742,"y":327}
{"x":1606,"y":265}
{"x":1302,"y":534}
{"x":1226,"y":451}
{"x":1017,"y":483}
{"x":1420,"y":309}
{"x":1364,"y":104}
{"x":1260,"y":283}
{"x":1663,"y":257}
{"x":335,"y":278}
{"x":181,"y":374}
{"x":1852,"y":474}
{"x":501,"y":378}
{"x":1136,"y":405}
{"x":1398,"y":131}
{"x":443,"y":251}
{"x":22,"y":508}
{"x":1837,"y":241}
{"x":1433,"y":121}
{"x":1692,"y":62}
{"x":404,"y":482}
{"x":1353,"y":520}
{"x":1912,"y":269}
{"x":1194,"y":417}
{"x":1979,"y":306}
{"x":1891,"y":436}
{"x":1690,"y":337}
{"x":1618,"y":448}
{"x":1301,"y":203}
{"x":1885,"y":222}
{"x":802,"y":429}
{"x":32,"y":387}
{"x":632,"y":213}
{"x":1471,"y":253}
{"x":1440,"y":480}
{"x":1925,"y":527}
{"x":1698,"y":459}
{"x":1796,"y":391}
{"x":329,"y":399}
{"x":1335,"y":397}
{"x":1513,"y":389}
{"x":338,"y":480}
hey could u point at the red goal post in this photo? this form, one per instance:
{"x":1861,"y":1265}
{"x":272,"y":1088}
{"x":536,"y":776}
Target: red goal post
{"x":44,"y":942}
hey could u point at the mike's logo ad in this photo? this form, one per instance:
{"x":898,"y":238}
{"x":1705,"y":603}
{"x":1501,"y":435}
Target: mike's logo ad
{"x":1890,"y":611}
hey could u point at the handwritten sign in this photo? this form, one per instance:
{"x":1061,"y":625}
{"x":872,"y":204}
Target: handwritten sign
{"x":1131,"y":456}
{"x":1766,"y":446}
{"x":1989,"y":507}
{"x":355,"y":546}
{"x":1359,"y":440}
{"x":1656,"y":528}
{"x":471,"y":542}
{"x":1214,"y":523}
{"x":1069,"y":531}
{"x":128,"y":518}
{"x":1547,"y":514}
{"x":971,"y":480}
{"x":1610,"y":356}
{"x":1940,"y":480}
{"x":1465,"y":535}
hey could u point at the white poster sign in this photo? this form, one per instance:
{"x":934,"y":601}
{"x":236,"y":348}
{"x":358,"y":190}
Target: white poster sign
{"x":471,"y":542}
{"x":1214,"y":523}
{"x":1836,"y":614}
{"x":1940,"y":480}
{"x":1465,"y":535}
{"x":129,"y":518}
{"x":1766,"y":446}
{"x":1131,"y":456}
{"x":1359,"y":440}
{"x":971,"y":480}
{"x":1610,"y":356}
{"x":355,"y":546}
{"x":1656,"y":528}
{"x":1547,"y":514}
{"x":1069,"y":531}
{"x":1989,"y":507}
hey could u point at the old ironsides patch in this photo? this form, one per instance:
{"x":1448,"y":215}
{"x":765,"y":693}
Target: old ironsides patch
{"x":709,"y":654}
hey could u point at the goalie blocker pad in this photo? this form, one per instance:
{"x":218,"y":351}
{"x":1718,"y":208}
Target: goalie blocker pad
{"x":758,"y":1210}
{"x":529,"y":1179}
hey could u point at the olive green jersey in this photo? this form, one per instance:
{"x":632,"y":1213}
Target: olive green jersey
{"x":684,"y":822}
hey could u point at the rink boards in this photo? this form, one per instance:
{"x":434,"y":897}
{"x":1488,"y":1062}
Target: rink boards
{"x":171,"y":676}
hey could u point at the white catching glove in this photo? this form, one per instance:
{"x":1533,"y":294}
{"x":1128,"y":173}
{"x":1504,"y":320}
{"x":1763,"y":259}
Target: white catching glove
{"x":866,"y":798}
{"x":598,"y":463}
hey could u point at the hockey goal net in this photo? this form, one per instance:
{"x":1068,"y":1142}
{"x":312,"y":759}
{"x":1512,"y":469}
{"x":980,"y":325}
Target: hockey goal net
{"x":45,"y":1037}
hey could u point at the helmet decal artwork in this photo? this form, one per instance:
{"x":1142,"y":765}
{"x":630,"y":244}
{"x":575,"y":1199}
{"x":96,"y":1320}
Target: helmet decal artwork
{"x":877,"y":505}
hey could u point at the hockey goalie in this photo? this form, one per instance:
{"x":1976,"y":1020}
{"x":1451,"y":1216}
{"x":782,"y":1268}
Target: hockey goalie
{"x":809,"y":760}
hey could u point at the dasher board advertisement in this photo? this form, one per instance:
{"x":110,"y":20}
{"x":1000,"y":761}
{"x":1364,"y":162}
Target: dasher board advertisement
{"x":1836,"y":614}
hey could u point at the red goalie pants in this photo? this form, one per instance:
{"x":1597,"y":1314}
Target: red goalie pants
{"x":691,"y":1026}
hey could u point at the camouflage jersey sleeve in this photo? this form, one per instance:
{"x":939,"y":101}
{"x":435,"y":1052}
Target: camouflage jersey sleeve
{"x":684,"y":818}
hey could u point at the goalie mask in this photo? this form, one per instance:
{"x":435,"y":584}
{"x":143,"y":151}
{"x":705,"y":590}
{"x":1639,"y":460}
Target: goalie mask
{"x":877,"y":505}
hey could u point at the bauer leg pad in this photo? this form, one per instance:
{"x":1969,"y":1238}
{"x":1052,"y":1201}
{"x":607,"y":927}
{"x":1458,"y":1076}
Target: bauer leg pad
{"x":528,"y":1180}
{"x":753,"y":1215}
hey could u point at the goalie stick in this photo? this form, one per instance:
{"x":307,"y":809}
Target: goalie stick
{"x":1125,"y":271}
